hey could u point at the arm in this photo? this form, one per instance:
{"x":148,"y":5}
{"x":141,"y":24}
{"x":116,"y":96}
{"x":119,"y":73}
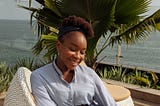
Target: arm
{"x":102,"y":95}
{"x":39,"y":92}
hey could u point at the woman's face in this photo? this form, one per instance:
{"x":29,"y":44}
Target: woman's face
{"x":71,"y":50}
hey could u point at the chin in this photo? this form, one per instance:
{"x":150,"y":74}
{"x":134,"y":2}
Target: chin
{"x":73,"y":67}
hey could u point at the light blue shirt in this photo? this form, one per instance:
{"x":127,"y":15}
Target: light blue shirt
{"x":49,"y":88}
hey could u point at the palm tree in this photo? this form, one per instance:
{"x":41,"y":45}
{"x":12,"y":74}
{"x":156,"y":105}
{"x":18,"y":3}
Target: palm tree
{"x":116,"y":21}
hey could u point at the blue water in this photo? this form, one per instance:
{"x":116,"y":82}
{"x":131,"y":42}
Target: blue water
{"x":17,"y":39}
{"x":144,"y":54}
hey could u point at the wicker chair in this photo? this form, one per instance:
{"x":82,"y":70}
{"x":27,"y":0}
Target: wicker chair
{"x":19,"y":92}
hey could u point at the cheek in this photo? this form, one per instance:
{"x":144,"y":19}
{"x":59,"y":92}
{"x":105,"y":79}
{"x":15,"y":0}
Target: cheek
{"x":65,"y":54}
{"x":83,"y":56}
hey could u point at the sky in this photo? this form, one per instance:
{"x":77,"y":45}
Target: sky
{"x":9,"y":9}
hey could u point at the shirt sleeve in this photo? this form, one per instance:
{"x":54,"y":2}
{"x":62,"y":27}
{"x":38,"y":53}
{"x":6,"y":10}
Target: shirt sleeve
{"x":39,"y":91}
{"x":102,"y":96}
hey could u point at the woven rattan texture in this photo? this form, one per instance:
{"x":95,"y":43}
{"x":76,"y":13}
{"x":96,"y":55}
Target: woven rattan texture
{"x":19,"y":92}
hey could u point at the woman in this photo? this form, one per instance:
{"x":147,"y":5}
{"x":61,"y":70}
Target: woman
{"x":65,"y":82}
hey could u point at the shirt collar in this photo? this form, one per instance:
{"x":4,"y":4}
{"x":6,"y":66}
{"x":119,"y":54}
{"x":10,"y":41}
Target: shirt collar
{"x":55,"y":67}
{"x":59,"y":72}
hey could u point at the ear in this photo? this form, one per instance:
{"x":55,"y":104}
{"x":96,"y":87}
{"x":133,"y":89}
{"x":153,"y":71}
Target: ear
{"x":58,"y":45}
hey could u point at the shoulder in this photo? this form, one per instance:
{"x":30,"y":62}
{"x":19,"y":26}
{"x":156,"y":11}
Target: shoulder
{"x":42,"y":75}
{"x":86,"y":70}
{"x":42,"y":70}
{"x":90,"y":73}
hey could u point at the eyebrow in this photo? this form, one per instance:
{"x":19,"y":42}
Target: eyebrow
{"x":76,"y":45}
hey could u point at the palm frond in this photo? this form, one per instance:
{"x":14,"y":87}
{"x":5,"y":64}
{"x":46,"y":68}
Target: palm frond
{"x":128,"y":12}
{"x":40,"y":1}
{"x":104,"y":15}
{"x":49,"y":45}
{"x":28,"y":8}
{"x":99,"y":27}
{"x":142,"y":80}
{"x":139,"y":31}
{"x":92,"y":10}
{"x":37,"y":48}
{"x":52,"y":5}
{"x":46,"y":43}
{"x":48,"y":18}
{"x":154,"y":77}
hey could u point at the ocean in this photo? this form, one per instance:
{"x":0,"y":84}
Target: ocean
{"x":17,"y":38}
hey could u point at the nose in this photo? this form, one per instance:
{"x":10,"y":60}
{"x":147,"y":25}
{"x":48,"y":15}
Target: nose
{"x":78,"y":55}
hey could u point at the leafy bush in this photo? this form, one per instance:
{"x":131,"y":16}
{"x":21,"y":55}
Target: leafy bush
{"x":8,"y":71}
{"x":114,"y":73}
{"x":29,"y":63}
{"x":6,"y":75}
{"x":133,"y":76}
{"x":145,"y":78}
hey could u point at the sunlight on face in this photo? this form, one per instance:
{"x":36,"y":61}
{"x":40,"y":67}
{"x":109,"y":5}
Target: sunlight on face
{"x":72,"y":50}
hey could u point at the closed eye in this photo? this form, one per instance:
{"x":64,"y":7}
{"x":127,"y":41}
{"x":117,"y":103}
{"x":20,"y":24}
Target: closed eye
{"x":83,"y":52}
{"x":73,"y":49}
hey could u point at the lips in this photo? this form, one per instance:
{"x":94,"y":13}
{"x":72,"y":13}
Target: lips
{"x":75,"y":62}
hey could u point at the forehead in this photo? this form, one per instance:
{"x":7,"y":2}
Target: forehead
{"x":76,"y":38}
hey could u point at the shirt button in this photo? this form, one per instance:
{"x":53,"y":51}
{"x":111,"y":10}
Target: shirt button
{"x":70,"y":100}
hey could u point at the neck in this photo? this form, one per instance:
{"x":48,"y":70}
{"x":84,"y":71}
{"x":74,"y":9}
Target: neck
{"x":62,"y":67}
{"x":67,"y":74}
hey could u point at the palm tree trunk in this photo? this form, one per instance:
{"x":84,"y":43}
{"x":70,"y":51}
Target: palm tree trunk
{"x":118,"y":55}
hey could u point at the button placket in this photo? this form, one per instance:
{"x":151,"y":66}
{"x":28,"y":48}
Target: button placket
{"x":70,"y":95}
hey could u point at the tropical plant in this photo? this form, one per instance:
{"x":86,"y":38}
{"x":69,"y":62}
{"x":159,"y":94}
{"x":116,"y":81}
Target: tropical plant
{"x":116,"y":21}
{"x":6,"y":75}
{"x":119,"y":73}
{"x":154,"y":80}
{"x":8,"y":71}
{"x":114,"y":73}
{"x":132,"y":76}
{"x":103,"y":73}
{"x":140,"y":78}
{"x":144,"y":78}
{"x":30,"y":63}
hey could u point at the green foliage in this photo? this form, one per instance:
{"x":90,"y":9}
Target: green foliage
{"x":140,"y":80}
{"x":118,"y":73}
{"x":144,"y":78}
{"x":48,"y":43}
{"x":114,"y":20}
{"x":6,"y":75}
{"x":27,"y":62}
{"x":8,"y":71}
{"x":139,"y":31}
{"x":114,"y":73}
{"x":103,"y":73}
{"x":154,"y":80}
{"x":138,"y":77}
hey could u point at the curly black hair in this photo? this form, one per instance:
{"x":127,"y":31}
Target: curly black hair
{"x":80,"y":23}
